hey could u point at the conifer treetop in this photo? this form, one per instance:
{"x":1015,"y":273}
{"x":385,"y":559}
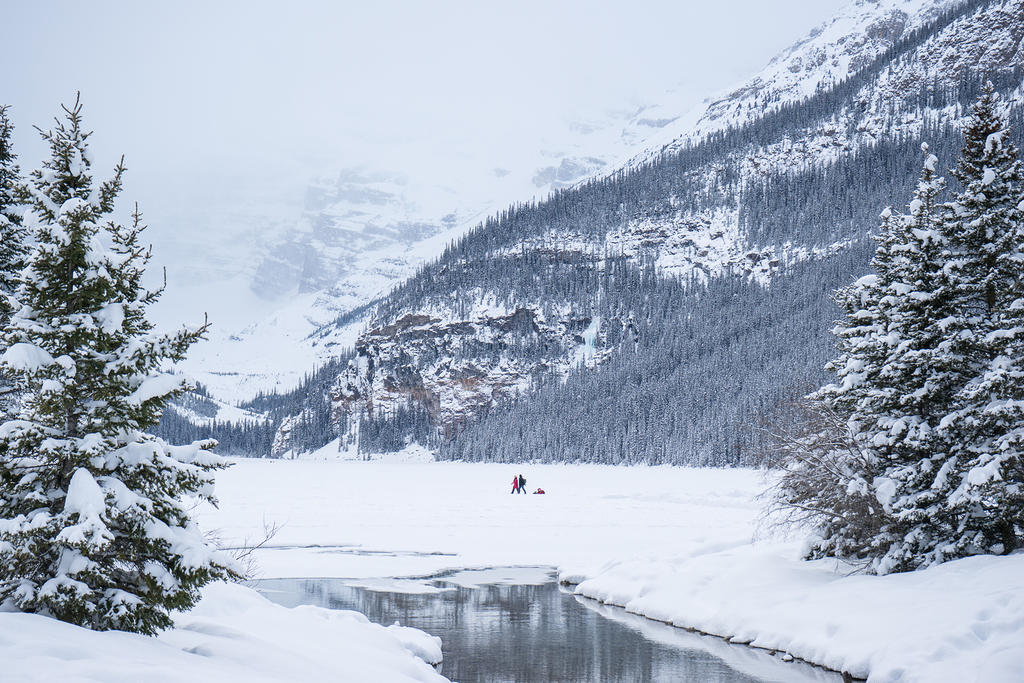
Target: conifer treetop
{"x":66,"y":176}
{"x":9,"y":171}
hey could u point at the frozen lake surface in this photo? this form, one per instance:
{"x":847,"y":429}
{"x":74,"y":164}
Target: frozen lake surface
{"x":493,"y":629}
{"x":369,"y":519}
{"x":679,"y":545}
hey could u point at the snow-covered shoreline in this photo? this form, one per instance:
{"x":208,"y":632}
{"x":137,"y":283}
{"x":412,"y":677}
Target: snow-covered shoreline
{"x":961,"y":621}
{"x":233,"y":634}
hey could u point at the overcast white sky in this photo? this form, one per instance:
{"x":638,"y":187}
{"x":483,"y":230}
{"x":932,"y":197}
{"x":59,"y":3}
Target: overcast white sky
{"x":236,"y":103}
{"x":233,"y":85}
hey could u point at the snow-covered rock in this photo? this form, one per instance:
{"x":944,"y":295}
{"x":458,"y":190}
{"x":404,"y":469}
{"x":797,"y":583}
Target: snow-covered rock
{"x":410,"y":361}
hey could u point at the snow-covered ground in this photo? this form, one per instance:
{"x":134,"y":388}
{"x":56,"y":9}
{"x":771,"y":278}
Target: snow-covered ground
{"x":335,"y":517}
{"x":679,"y":545}
{"x":234,"y":634}
{"x":676,"y":544}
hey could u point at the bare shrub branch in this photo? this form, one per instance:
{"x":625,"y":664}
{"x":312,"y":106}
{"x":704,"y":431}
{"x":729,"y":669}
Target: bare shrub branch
{"x":244,"y":554}
{"x":818,"y":465}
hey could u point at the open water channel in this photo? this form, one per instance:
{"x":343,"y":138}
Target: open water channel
{"x":520,"y":625}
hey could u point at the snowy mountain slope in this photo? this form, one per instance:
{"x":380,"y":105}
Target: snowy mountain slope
{"x":976,"y":43}
{"x":361,"y":232}
{"x":986,"y":41}
{"x":710,"y":229}
{"x":836,"y":50}
{"x":741,"y":205}
{"x":366,"y":229}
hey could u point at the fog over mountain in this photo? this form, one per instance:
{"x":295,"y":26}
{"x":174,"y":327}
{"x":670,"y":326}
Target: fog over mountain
{"x":229,"y":113}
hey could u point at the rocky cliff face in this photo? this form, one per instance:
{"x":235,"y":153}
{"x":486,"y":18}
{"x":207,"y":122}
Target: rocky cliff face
{"x":455,"y":368}
{"x":457,"y":357}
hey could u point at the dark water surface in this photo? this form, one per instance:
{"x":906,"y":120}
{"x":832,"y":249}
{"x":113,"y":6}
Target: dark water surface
{"x":497,"y":632}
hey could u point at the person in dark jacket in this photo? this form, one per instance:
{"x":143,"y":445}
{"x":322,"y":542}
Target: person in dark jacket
{"x":522,"y":484}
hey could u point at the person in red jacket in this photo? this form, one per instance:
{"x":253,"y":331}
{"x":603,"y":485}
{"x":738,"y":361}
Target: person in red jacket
{"x":515,"y":484}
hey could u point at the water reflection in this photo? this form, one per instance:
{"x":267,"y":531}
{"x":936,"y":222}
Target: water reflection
{"x":535,"y":633}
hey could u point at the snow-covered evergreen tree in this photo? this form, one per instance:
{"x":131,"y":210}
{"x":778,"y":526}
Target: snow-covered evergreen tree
{"x":12,"y":235}
{"x":841,"y":444}
{"x":931,"y":375}
{"x":919,"y":388}
{"x":983,"y":477}
{"x":12,"y":241}
{"x":885,"y":394}
{"x":93,"y":526}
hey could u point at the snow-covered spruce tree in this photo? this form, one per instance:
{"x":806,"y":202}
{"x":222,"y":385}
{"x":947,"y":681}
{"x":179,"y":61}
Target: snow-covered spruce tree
{"x":829,"y":463}
{"x":931,"y":376}
{"x":884,"y":408}
{"x":12,"y":235}
{"x":93,"y":526}
{"x":12,"y":241}
{"x":920,"y":379}
{"x":982,"y":479}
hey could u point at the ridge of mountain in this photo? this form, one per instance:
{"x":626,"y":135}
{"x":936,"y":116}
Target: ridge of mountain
{"x":836,"y":50}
